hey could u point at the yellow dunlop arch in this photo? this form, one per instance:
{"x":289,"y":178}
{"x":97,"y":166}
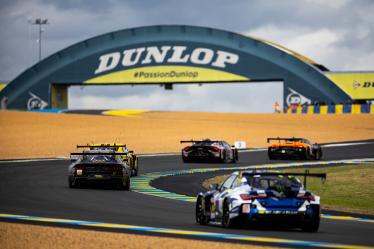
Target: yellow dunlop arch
{"x":287,"y":50}
{"x":356,"y":85}
{"x":166,"y":74}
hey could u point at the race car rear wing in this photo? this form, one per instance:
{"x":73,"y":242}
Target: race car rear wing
{"x":199,"y":141}
{"x":104,"y":146}
{"x":306,"y":174}
{"x":284,"y":139}
{"x":75,"y":155}
{"x":101,"y":146}
{"x":97,"y":153}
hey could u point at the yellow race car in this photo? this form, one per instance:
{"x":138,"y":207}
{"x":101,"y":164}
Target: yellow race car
{"x":127,"y":156}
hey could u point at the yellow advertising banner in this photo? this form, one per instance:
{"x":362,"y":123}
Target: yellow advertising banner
{"x":2,"y":86}
{"x":356,"y":85}
{"x":166,"y":74}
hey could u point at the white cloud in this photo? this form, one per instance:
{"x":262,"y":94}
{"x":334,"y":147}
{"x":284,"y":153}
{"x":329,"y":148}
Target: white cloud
{"x":240,"y":97}
{"x":325,"y":46}
{"x":336,"y":33}
{"x":330,"y":3}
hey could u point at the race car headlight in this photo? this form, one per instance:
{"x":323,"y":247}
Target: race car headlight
{"x":79,"y":172}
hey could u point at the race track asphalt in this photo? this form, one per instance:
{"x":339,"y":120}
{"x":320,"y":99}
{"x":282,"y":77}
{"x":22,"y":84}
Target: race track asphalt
{"x":40,"y":188}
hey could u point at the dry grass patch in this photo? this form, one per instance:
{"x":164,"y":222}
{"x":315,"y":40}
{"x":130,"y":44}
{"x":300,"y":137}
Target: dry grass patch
{"x":14,"y":236}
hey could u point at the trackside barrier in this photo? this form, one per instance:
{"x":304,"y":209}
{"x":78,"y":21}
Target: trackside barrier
{"x":332,"y":109}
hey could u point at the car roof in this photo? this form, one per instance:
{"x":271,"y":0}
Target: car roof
{"x":93,"y":151}
{"x":108,"y":144}
{"x":210,"y":140}
{"x":257,"y":171}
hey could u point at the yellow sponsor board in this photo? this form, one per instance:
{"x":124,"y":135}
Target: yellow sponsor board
{"x":2,"y":86}
{"x":356,"y":85}
{"x":166,"y":74}
{"x":125,"y":113}
{"x":323,"y":109}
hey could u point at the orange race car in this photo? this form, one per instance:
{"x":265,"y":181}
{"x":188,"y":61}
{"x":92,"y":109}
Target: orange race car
{"x":287,"y":148}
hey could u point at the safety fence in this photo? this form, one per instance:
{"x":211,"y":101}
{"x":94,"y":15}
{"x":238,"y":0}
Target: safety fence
{"x":332,"y":109}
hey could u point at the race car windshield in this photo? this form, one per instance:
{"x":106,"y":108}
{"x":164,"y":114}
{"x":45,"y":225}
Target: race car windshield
{"x":270,"y":182}
{"x":206,"y":143}
{"x":105,"y":148}
{"x":293,"y":140}
{"x":99,"y":158}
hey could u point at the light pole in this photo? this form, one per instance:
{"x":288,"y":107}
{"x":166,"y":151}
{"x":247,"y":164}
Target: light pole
{"x":40,"y":22}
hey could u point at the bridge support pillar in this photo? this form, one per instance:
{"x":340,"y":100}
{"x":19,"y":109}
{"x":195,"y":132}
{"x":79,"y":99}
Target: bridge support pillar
{"x":59,"y":96}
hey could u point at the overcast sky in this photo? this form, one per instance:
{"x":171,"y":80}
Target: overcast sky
{"x":336,"y":33}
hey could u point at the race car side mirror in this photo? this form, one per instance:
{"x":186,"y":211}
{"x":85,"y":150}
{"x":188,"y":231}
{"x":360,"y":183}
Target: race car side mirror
{"x":73,"y":159}
{"x":131,"y":151}
{"x":213,"y":186}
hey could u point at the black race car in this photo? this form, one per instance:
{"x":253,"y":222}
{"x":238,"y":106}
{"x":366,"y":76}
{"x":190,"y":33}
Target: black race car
{"x":98,"y":166}
{"x":209,"y":150}
{"x":130,"y":158}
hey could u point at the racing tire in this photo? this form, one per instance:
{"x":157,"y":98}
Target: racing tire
{"x":228,"y":222}
{"x":134,"y":172}
{"x":235,"y":156}
{"x":270,"y":155}
{"x":199,"y":212}
{"x":223,"y":159}
{"x":305,"y":154}
{"x":72,"y":184}
{"x":124,"y":185}
{"x":318,"y":154}
{"x":311,"y":224}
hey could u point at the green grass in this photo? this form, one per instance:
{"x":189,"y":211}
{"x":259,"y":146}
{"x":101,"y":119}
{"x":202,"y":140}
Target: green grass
{"x":347,"y":188}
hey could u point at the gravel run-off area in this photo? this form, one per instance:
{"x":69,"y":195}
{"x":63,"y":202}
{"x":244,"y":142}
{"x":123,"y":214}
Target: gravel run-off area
{"x":41,"y":135}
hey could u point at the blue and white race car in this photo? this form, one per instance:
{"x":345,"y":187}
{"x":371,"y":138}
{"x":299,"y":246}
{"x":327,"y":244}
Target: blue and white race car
{"x":255,"y":197}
